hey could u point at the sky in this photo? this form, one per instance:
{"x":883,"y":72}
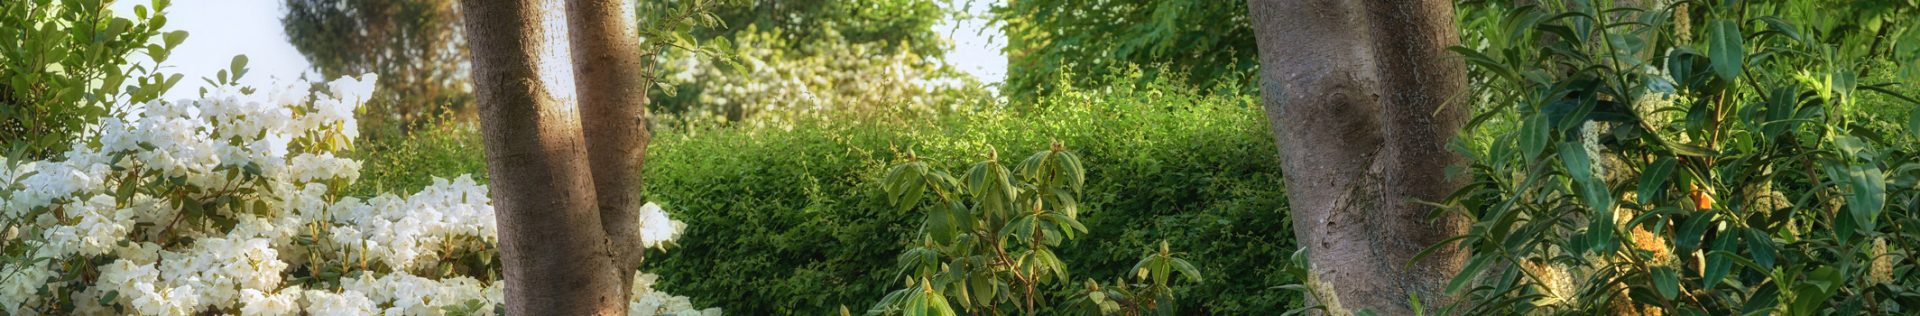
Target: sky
{"x":219,"y":29}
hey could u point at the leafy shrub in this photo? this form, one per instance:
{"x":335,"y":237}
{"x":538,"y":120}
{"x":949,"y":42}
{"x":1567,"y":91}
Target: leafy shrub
{"x":232,"y":204}
{"x":794,"y":217}
{"x":392,"y":164}
{"x":988,"y":242}
{"x":1718,"y":159}
{"x":65,"y":64}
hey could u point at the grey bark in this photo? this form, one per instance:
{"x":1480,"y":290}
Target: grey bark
{"x":1363,"y":97}
{"x":556,"y":256}
{"x":607,"y":65}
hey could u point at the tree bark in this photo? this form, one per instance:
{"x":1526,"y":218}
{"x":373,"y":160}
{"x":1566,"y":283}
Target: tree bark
{"x":607,"y":65}
{"x":1363,"y":97}
{"x":556,"y":257}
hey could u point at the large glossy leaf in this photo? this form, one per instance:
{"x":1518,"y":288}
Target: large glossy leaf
{"x":1653,"y":181}
{"x":1761,"y":247}
{"x":1667,"y":282}
{"x":1579,"y":165}
{"x":1727,"y":48}
{"x":1534,"y":134}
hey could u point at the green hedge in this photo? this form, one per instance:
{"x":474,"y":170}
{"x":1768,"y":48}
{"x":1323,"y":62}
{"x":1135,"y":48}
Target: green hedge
{"x":790,"y":219}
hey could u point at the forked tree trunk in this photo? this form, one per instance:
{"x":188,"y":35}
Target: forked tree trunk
{"x":607,"y":66}
{"x":557,"y":258}
{"x":1363,"y":97}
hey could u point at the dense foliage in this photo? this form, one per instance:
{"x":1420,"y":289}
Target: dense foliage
{"x":1690,"y":158}
{"x":65,"y":64}
{"x":894,"y":25}
{"x":796,"y":215}
{"x":761,"y":77}
{"x":989,"y":239}
{"x":1210,"y":42}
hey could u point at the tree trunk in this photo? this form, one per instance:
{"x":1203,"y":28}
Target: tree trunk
{"x":607,"y":66}
{"x":1363,"y":97}
{"x":556,"y":257}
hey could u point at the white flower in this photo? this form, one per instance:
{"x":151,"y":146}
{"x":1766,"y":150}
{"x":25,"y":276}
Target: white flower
{"x":655,"y":228}
{"x":255,"y":302}
{"x":346,"y":303}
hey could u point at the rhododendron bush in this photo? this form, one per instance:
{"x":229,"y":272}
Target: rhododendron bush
{"x":231,"y":204}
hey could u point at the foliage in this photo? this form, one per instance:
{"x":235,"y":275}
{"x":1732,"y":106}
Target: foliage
{"x":758,"y":80}
{"x":413,"y":45}
{"x":1691,"y":158}
{"x":989,"y":240}
{"x":891,"y":25}
{"x":393,"y":164}
{"x":791,"y":212}
{"x":65,"y":64}
{"x":1209,"y":41}
{"x":232,"y":204}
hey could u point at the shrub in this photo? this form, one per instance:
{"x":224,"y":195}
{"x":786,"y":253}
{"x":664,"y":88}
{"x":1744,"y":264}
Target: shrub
{"x":232,"y":204}
{"x":794,"y":217}
{"x":1732,"y":164}
{"x":988,"y":242}
{"x":65,"y":64}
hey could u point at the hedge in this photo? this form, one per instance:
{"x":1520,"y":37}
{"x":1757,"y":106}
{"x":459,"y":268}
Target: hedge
{"x":789,"y":219}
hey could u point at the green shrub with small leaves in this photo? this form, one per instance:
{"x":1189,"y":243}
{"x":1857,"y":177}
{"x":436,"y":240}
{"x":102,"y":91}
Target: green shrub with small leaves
{"x":65,"y":64}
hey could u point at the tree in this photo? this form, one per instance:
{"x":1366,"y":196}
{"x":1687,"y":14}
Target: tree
{"x":906,"y":24}
{"x":565,"y":187}
{"x":1364,"y":97}
{"x":412,"y":44}
{"x":1207,"y":41}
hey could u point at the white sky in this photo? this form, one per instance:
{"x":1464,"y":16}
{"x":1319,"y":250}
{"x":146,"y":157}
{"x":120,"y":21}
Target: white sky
{"x":219,"y":29}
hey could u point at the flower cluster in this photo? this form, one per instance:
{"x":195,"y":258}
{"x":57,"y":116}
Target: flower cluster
{"x":230,"y":204}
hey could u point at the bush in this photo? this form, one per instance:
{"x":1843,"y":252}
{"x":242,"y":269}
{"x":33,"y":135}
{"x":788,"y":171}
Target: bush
{"x":794,"y":217}
{"x":66,"y":64}
{"x":232,"y":204}
{"x":394,"y":164}
{"x":1767,"y":175}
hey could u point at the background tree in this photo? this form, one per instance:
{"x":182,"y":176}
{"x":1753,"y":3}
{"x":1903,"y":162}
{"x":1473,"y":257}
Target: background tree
{"x":905,"y":24}
{"x":1363,"y":97}
{"x":414,"y":45}
{"x":1207,"y":41}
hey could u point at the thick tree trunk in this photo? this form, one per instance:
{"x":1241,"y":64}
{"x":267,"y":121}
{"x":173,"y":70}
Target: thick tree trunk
{"x":1363,"y":97}
{"x":607,"y":66}
{"x":556,"y":257}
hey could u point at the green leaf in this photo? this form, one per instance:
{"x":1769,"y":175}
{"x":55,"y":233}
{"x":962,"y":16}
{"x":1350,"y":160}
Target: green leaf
{"x":1186,"y":268}
{"x":1762,"y":247}
{"x":1653,"y":182}
{"x":1579,"y":166}
{"x":1667,"y":282}
{"x":1725,"y":46}
{"x":174,"y":38}
{"x":1913,"y":123}
{"x":1533,"y":136}
{"x":238,"y":66}
{"x":1470,"y":273}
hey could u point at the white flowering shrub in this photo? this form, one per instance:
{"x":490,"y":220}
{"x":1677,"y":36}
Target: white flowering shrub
{"x":763,"y":81}
{"x":231,"y":204}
